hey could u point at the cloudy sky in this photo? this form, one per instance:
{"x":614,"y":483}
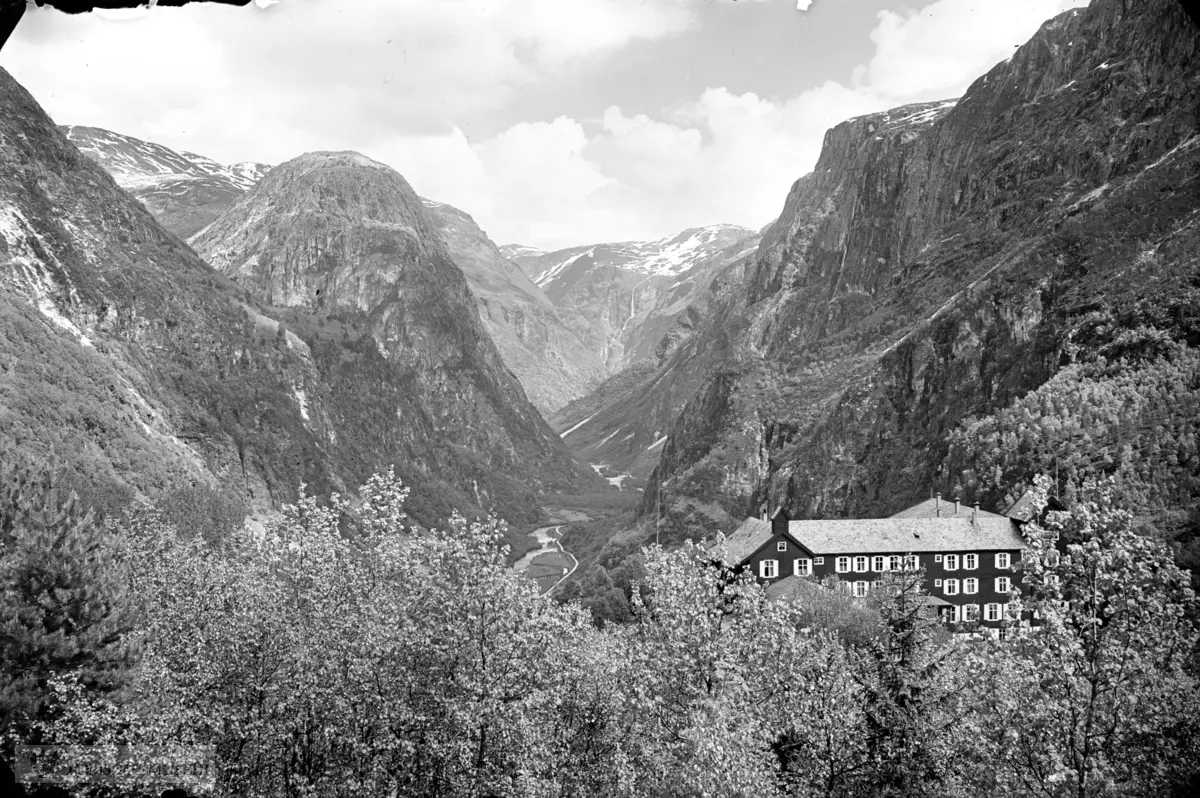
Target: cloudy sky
{"x":553,"y":122}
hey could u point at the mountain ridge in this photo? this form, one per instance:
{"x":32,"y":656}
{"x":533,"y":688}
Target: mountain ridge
{"x":540,"y":347}
{"x":916,"y":277}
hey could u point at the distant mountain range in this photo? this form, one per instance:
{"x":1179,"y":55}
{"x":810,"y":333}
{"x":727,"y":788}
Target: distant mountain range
{"x":563,"y":320}
{"x":188,"y":192}
{"x":628,"y":296}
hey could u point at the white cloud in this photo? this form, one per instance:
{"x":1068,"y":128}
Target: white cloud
{"x":729,"y":157}
{"x":334,"y":68}
{"x":940,"y":49}
{"x":394,"y":79}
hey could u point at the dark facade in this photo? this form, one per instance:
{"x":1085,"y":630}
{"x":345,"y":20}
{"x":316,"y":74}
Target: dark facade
{"x":949,"y":584}
{"x":971,"y":559}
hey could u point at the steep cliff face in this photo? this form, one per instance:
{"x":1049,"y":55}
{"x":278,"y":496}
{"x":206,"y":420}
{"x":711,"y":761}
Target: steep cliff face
{"x":185,"y":192}
{"x":126,"y":360}
{"x":138,"y":369}
{"x":621,"y":299}
{"x":944,"y":259}
{"x":550,"y":361}
{"x":344,"y":244}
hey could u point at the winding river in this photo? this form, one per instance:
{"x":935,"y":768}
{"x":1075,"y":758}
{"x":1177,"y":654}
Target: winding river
{"x":550,"y":561}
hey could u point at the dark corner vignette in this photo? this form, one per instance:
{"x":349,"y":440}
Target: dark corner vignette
{"x":11,"y":11}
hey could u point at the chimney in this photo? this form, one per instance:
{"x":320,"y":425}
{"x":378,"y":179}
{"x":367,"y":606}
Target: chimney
{"x":763,"y":511}
{"x":975,"y":512}
{"x":956,"y":506}
{"x":779,"y":521}
{"x":937,"y":506}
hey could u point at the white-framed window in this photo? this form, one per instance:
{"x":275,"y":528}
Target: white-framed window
{"x":912,"y":562}
{"x":971,"y":586}
{"x":781,"y":546}
{"x":842,"y":565}
{"x":970,"y":613}
{"x":819,"y":561}
{"x":992,"y":612}
{"x":1003,"y":585}
{"x":970,"y":561}
{"x":896,"y":562}
{"x":951,"y":587}
{"x":937,"y":558}
{"x":937,"y":582}
{"x":860,"y":588}
{"x":861,"y":564}
{"x":845,"y":586}
{"x":768,"y":569}
{"x":1002,"y":559}
{"x":880,"y":564}
{"x":951,"y":562}
{"x":802,"y":566}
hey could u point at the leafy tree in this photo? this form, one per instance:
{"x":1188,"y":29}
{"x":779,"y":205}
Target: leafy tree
{"x":1096,"y":698}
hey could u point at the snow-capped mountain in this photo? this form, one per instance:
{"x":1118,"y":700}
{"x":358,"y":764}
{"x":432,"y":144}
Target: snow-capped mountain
{"x":185,"y":191}
{"x":633,"y":294}
{"x":520,"y":251}
{"x":135,"y":163}
{"x":556,"y":272}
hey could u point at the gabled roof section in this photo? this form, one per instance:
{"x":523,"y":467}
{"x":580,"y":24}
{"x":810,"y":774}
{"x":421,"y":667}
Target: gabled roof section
{"x":748,"y":538}
{"x":940,"y":508}
{"x":1025,"y":508}
{"x":907,"y":535}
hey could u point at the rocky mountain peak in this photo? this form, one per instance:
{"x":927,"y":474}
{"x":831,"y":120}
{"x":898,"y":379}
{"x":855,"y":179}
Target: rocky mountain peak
{"x":325,"y":230}
{"x":344,"y":244}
